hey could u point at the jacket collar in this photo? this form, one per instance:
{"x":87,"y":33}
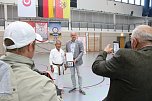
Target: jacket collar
{"x":15,"y":58}
{"x":146,"y":48}
{"x":74,"y":41}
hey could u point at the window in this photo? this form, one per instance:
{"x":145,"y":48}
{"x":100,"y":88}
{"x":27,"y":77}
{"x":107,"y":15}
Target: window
{"x":137,"y":2}
{"x":126,"y":1}
{"x":73,"y":3}
{"x":142,"y":2}
{"x":131,"y":1}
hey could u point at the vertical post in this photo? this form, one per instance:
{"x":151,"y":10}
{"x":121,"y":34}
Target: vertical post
{"x":86,"y":35}
{"x":69,"y":24}
{"x":87,"y":26}
{"x":122,"y":27}
{"x":94,"y":42}
{"x":79,"y":19}
{"x":79,"y":26}
{"x":128,"y":23}
{"x":101,"y":41}
{"x":13,"y":11}
{"x":101,"y":27}
{"x":114,"y":21}
{"x":5,"y":14}
{"x":1,"y":10}
{"x":88,"y":42}
{"x":70,"y":28}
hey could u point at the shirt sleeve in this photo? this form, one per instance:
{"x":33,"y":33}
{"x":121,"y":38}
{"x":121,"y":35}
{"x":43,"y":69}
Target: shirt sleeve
{"x":108,"y":68}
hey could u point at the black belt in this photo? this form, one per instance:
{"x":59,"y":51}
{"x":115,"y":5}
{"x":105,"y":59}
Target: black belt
{"x":58,"y":65}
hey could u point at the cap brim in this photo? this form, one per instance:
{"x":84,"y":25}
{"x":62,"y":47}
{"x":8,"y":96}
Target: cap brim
{"x":38,"y":37}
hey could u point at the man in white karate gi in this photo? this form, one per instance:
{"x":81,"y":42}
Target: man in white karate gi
{"x":58,"y":64}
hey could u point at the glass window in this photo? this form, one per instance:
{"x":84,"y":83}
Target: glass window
{"x":150,"y":3}
{"x":126,"y":1}
{"x":142,"y":2}
{"x":137,"y":2}
{"x":117,"y":0}
{"x":131,"y":1}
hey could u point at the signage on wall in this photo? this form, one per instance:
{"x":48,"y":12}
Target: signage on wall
{"x":55,"y":31}
{"x":42,"y":29}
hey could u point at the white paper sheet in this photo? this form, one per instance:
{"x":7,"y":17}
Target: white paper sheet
{"x":69,"y":56}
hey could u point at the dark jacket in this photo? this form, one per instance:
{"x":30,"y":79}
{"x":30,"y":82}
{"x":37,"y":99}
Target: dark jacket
{"x":130,"y":74}
{"x":128,"y":44}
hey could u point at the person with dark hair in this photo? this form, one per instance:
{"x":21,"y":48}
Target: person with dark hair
{"x":128,"y":43}
{"x":24,"y":84}
{"x":129,"y":70}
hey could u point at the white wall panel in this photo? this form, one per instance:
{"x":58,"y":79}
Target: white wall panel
{"x":110,"y":6}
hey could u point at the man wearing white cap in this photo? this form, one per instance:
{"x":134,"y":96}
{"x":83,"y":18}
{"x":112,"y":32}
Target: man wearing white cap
{"x":25,"y":84}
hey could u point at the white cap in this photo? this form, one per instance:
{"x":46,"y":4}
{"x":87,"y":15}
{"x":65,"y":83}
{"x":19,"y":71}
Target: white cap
{"x":21,"y":33}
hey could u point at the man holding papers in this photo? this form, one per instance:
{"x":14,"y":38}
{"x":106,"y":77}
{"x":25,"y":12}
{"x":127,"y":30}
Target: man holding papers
{"x":75,"y":49}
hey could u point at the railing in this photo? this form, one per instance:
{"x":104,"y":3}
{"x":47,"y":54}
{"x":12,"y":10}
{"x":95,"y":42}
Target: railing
{"x":101,"y":26}
{"x":87,"y":25}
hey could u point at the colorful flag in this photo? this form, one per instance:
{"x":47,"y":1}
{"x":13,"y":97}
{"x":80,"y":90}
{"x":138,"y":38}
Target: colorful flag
{"x":26,"y":8}
{"x":45,"y":8}
{"x":62,"y":8}
{"x":51,"y":8}
{"x":66,"y":10}
{"x":58,"y":9}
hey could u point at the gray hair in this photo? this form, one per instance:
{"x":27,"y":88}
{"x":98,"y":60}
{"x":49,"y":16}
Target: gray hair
{"x":142,"y":33}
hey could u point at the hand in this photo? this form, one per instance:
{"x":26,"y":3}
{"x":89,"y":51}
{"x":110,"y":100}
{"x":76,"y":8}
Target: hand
{"x":52,"y":69}
{"x":108,"y":49}
{"x":74,"y":61}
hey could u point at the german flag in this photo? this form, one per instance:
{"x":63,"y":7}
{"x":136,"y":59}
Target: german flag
{"x":62,"y":8}
{"x":45,"y":8}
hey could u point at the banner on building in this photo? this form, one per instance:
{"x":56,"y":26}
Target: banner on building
{"x":55,"y":31}
{"x":46,"y":8}
{"x":42,"y":29}
{"x":26,"y":8}
{"x":62,"y":8}
{"x":54,"y":8}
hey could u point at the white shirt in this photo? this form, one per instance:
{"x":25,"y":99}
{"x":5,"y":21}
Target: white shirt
{"x":57,"y":57}
{"x":72,"y":47}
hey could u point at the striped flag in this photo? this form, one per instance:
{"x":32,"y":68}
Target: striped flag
{"x":62,"y":8}
{"x":45,"y":8}
{"x":26,"y":8}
